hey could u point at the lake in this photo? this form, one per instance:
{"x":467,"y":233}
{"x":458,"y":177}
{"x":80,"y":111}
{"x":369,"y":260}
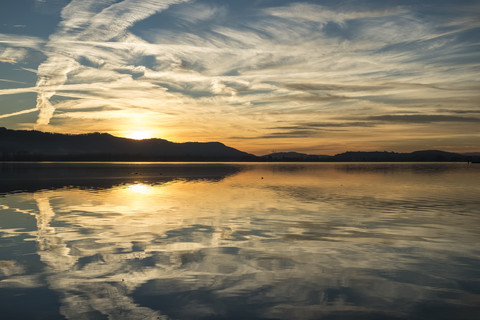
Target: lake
{"x":239,"y":241}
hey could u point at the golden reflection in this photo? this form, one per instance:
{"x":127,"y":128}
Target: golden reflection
{"x":140,"y":188}
{"x":323,"y":224}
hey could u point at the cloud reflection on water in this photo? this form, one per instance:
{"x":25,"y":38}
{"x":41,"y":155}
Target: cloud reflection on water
{"x":269,"y":241}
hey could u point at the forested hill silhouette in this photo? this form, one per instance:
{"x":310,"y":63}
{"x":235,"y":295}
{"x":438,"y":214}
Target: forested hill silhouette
{"x":416,"y":156}
{"x":375,"y":156}
{"x":22,"y":145}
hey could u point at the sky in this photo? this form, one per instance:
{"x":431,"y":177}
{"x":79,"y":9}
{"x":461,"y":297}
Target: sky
{"x":262,"y":76}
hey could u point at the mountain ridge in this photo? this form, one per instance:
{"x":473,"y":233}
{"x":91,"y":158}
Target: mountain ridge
{"x":25,"y":145}
{"x":375,"y":156}
{"x":32,"y":145}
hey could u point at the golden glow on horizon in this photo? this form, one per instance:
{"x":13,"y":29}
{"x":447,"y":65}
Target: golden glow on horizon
{"x":251,"y":89}
{"x":139,"y":135}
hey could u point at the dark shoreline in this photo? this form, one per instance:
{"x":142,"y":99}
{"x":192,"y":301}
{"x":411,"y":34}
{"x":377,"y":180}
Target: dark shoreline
{"x":22,"y":145}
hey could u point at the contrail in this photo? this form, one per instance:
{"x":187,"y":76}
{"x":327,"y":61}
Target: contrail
{"x":51,"y":75}
{"x":85,"y":20}
{"x":18,"y":113}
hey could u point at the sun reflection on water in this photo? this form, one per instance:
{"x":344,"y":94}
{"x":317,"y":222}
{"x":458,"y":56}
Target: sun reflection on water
{"x":140,"y":188}
{"x":305,"y":241}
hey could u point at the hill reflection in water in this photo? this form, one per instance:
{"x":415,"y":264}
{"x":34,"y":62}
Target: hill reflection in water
{"x":240,"y":241}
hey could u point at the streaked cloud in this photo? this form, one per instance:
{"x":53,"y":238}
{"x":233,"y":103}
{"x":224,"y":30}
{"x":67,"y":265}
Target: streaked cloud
{"x":85,"y":21}
{"x":17,"y":113}
{"x":235,"y":70}
{"x":422,"y":118}
{"x":7,"y":59}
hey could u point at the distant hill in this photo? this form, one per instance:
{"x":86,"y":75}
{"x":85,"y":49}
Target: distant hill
{"x":416,"y":156}
{"x":22,"y":145}
{"x":31,"y":145}
{"x":375,"y":156}
{"x":473,"y":154}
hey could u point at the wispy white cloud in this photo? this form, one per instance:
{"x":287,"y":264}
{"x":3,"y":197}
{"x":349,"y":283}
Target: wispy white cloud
{"x":8,"y":59}
{"x":51,"y":75}
{"x":18,"y":113}
{"x":12,"y":81}
{"x":88,"y":21}
{"x":200,"y":12}
{"x":16,"y":49}
{"x":319,"y":14}
{"x":239,"y":73}
{"x":21,"y":41}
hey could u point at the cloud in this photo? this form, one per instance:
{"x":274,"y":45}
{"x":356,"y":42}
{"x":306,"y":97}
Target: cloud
{"x":85,"y":21}
{"x":333,"y":87}
{"x":322,"y":14}
{"x":343,"y":124}
{"x":239,"y":67}
{"x":421,"y":118}
{"x":17,"y":90}
{"x":290,"y":134}
{"x":7,"y":60}
{"x":21,"y":41}
{"x":220,"y":88}
{"x":51,"y":75}
{"x":196,"y":12}
{"x":17,"y":113}
{"x":313,"y":97}
{"x":308,"y":129}
{"x":12,"y":81}
{"x":13,"y":55}
{"x":459,"y":111}
{"x":256,"y":53}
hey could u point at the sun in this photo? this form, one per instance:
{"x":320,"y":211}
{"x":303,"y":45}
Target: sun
{"x":139,"y":135}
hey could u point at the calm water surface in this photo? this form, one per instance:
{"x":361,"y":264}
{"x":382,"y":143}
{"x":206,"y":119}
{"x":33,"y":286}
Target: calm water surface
{"x":239,"y":241}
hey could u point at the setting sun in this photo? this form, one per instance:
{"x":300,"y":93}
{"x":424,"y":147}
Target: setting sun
{"x":139,"y":135}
